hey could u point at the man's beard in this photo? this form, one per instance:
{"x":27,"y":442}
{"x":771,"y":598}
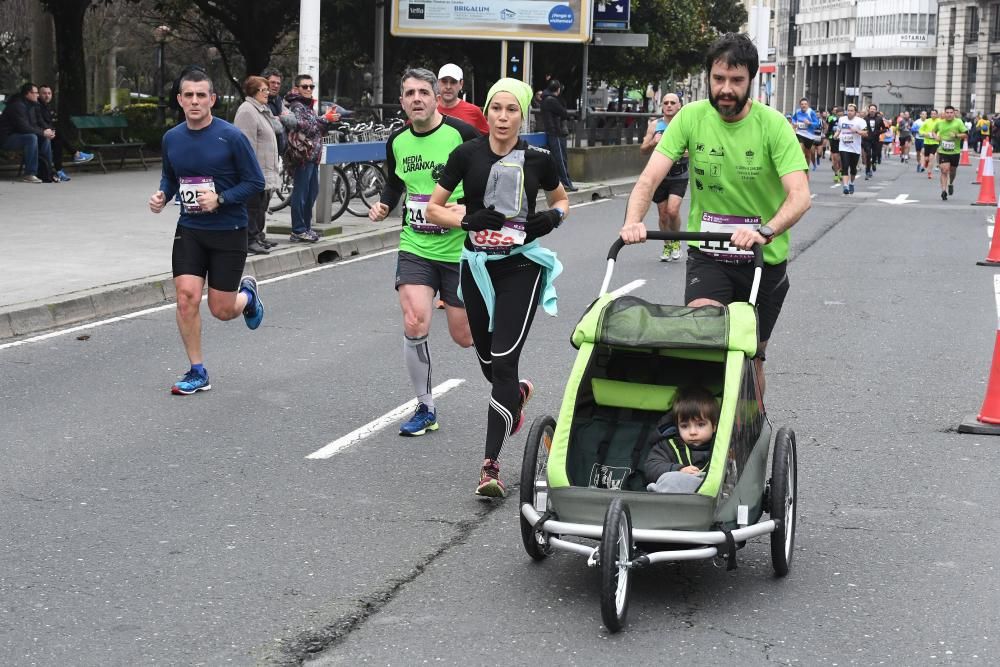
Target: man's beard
{"x":736,"y":110}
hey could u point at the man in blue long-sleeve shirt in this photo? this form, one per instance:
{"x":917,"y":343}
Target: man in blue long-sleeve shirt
{"x":210,"y":163}
{"x":809,"y":132}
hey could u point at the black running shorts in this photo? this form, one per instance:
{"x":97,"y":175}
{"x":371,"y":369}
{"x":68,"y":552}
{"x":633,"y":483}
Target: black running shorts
{"x":834,"y":146}
{"x":726,"y":283}
{"x":930,"y":149}
{"x":442,"y":277}
{"x":670,"y":186}
{"x":219,"y":254}
{"x":949,"y":158}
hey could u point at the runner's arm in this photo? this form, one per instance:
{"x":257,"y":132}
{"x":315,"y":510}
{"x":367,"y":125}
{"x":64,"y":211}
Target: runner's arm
{"x":634,"y":230}
{"x":797,"y":202}
{"x":648,"y":141}
{"x":440,"y":213}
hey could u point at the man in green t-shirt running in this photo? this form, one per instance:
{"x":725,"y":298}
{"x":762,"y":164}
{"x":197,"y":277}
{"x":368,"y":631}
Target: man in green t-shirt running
{"x":750,"y":180}
{"x":950,"y":132}
{"x":428,"y":254}
{"x":926,"y":133}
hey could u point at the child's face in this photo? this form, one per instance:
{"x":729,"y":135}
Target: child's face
{"x":696,"y":431}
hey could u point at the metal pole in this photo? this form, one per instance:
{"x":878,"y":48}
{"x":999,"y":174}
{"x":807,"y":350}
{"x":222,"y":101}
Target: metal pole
{"x":583,"y":83}
{"x":379,"y":49}
{"x":309,"y":40}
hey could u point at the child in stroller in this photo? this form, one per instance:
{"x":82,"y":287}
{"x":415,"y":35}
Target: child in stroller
{"x":679,"y":467}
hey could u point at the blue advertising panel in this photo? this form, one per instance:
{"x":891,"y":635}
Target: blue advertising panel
{"x":611,"y":14}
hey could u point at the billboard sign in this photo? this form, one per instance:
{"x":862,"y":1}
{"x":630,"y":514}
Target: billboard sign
{"x":611,"y":14}
{"x":527,"y":20}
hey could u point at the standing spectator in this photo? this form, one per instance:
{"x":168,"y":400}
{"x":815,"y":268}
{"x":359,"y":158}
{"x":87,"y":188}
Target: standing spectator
{"x":554,"y":115}
{"x":59,"y":143}
{"x":276,"y":103}
{"x":305,"y":133}
{"x":258,"y":124}
{"x":450,"y":84}
{"x":20,"y":131}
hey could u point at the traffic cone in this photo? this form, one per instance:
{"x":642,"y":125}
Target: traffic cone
{"x":987,"y":422}
{"x":993,"y":256}
{"x":964,"y":162}
{"x":987,"y":189}
{"x":895,"y":148}
{"x":987,"y":150}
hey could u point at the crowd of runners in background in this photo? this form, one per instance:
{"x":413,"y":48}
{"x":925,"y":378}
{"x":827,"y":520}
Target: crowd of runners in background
{"x":856,"y":139}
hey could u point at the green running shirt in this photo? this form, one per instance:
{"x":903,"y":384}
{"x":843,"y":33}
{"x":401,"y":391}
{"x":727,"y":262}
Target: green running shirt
{"x":948,"y":132}
{"x":735,"y":168}
{"x":414,"y":162}
{"x":928,"y":126}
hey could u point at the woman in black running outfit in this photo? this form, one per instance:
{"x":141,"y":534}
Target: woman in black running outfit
{"x":505,"y":273}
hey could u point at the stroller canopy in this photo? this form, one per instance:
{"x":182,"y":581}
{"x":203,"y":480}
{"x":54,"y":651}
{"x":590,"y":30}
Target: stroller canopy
{"x":629,"y":321}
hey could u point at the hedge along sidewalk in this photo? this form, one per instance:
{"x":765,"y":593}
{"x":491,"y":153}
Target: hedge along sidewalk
{"x":83,"y":250}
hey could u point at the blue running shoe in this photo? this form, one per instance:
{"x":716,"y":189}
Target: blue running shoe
{"x":423,"y":420}
{"x":851,"y":186}
{"x":192,"y":382}
{"x":846,"y":190}
{"x":253,"y":316}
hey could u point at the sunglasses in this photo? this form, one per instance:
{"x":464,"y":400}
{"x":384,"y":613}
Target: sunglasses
{"x":308,"y":86}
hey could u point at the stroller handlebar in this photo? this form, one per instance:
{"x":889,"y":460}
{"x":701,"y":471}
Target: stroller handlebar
{"x":657,"y":235}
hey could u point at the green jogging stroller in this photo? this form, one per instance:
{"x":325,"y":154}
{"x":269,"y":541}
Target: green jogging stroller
{"x":581,"y":476}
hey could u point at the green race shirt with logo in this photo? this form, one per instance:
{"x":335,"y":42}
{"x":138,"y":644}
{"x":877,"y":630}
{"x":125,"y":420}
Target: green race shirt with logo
{"x":735,"y":170}
{"x":949,"y":132}
{"x":928,"y":126}
{"x":414,"y":162}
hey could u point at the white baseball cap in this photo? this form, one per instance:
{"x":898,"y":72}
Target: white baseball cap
{"x":451,"y":70}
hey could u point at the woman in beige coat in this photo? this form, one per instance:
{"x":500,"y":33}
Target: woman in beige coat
{"x":256,"y":121}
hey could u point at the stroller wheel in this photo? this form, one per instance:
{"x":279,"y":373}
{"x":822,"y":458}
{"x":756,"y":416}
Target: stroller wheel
{"x":617,"y":552}
{"x":783,"y":500}
{"x":534,"y":482}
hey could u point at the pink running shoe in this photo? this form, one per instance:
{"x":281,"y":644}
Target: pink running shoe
{"x":527,"y":389}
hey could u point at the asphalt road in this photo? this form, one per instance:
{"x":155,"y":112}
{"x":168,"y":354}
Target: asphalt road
{"x":143,"y":528}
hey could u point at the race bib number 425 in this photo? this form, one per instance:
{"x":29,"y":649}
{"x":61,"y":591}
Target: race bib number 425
{"x":190,"y":186}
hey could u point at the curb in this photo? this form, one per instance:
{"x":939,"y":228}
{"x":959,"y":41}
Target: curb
{"x":122,"y":298}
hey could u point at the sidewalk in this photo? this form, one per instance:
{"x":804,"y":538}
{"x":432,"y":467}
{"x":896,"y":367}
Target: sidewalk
{"x":90,"y":248}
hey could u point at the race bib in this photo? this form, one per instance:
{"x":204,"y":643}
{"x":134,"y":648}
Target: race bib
{"x":499,"y":242}
{"x":803,"y":125}
{"x":718,"y":223}
{"x":416,"y":215}
{"x":847,"y":138}
{"x":947,"y":146}
{"x":189,"y":187}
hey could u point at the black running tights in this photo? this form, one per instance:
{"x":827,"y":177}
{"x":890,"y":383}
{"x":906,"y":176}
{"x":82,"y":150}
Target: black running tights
{"x":849,"y":163}
{"x":517,"y":283}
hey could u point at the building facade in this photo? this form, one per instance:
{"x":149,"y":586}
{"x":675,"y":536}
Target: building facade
{"x":968,"y":57}
{"x":896,"y":42}
{"x":826,"y":71}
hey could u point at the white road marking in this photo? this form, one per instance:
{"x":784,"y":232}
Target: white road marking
{"x":590,"y":203}
{"x":168,"y":306}
{"x":625,"y":289}
{"x":377,"y":425}
{"x":900,"y":199}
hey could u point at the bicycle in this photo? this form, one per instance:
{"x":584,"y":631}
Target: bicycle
{"x":356,"y":180}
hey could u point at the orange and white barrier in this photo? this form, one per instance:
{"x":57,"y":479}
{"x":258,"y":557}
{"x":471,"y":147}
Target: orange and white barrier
{"x":964,"y":161}
{"x":987,"y":186}
{"x":987,"y":422}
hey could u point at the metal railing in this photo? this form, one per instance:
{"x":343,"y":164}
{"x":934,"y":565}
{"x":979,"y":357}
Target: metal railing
{"x":602,"y":128}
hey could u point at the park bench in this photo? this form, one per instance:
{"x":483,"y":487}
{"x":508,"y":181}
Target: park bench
{"x":100,"y":134}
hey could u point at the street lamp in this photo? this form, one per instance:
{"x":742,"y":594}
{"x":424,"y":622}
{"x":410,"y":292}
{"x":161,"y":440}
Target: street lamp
{"x":161,"y":33}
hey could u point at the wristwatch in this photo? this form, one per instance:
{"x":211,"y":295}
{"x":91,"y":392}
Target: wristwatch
{"x":767,"y":233}
{"x":562,"y":214}
{"x":222,"y":201}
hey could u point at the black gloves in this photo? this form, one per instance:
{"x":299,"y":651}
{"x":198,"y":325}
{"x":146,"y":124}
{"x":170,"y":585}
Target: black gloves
{"x":483,"y":220}
{"x":541,"y":223}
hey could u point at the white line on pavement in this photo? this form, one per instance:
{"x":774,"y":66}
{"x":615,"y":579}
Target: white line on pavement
{"x":590,"y":203}
{"x":167,"y":306}
{"x":377,"y":425}
{"x":625,"y":289}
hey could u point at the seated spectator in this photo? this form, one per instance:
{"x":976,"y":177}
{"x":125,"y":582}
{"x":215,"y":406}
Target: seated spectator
{"x":19,"y":131}
{"x":47,"y":117}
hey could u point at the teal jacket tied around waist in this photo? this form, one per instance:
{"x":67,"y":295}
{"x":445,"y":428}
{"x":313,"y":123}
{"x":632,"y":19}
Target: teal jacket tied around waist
{"x":551,"y":268}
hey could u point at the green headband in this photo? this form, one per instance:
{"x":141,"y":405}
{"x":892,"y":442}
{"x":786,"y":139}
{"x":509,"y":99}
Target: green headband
{"x":519,"y":89}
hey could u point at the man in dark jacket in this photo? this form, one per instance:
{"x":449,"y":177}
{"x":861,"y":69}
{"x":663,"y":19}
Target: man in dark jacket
{"x":553,"y":115}
{"x":20,"y":130}
{"x":276,"y":103}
